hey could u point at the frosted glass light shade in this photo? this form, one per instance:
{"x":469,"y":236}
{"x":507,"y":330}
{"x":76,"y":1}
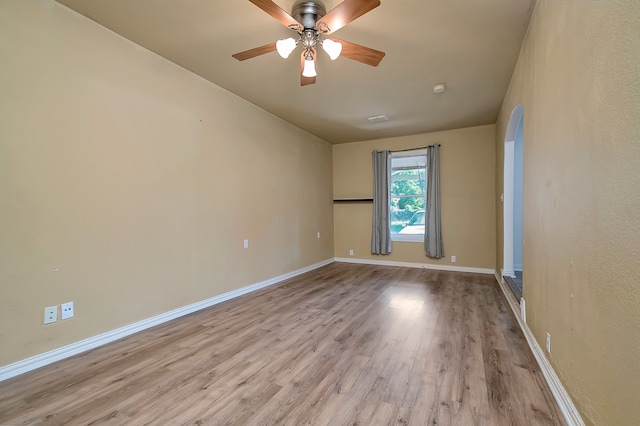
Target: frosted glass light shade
{"x":285,"y":47}
{"x":309,"y":69}
{"x":333,"y":48}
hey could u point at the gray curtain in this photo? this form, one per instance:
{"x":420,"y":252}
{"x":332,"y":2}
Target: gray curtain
{"x":433,"y":230}
{"x":381,"y":229}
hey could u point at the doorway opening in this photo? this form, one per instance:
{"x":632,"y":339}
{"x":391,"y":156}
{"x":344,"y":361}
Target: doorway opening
{"x":512,"y":269}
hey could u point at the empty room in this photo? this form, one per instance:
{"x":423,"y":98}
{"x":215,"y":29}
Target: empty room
{"x":319,"y":212}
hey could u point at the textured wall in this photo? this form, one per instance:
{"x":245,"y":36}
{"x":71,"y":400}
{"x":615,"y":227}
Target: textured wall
{"x":127,"y":184}
{"x":467,"y":196}
{"x":578,"y":78}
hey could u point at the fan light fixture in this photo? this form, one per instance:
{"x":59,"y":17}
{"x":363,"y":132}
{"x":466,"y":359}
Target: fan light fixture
{"x":288,"y":45}
{"x":285,"y":47}
{"x":333,"y":48}
{"x":309,"y":69}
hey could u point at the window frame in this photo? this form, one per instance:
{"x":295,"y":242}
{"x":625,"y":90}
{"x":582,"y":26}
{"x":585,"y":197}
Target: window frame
{"x":395,"y":236}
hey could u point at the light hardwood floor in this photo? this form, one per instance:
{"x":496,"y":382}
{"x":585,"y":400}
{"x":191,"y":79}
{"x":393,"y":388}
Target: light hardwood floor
{"x":342,"y":345}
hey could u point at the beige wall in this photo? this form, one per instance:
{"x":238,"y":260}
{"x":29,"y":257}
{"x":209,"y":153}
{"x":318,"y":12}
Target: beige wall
{"x":578,"y":78}
{"x":467,"y":196}
{"x":127,"y":184}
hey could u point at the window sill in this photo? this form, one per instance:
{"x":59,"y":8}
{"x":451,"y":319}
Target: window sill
{"x":413,"y":238}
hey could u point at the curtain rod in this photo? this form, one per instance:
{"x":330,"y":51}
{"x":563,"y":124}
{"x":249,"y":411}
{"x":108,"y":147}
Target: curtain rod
{"x":415,"y":149}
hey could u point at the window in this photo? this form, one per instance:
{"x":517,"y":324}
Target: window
{"x":408,"y":195}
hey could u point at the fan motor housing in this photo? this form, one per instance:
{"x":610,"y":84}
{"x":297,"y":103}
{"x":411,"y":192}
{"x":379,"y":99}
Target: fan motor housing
{"x":308,"y":12}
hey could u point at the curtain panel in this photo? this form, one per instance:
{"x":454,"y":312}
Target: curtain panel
{"x":433,"y":245}
{"x":381,"y":227}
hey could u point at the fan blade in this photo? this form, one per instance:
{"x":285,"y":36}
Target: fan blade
{"x":257,"y":51}
{"x":305,"y":81}
{"x":344,"y":13}
{"x":278,"y":13}
{"x":359,"y":53}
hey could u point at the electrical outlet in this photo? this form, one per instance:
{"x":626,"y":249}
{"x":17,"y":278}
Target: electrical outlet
{"x":67,"y":310}
{"x":350,"y":252}
{"x":318,"y":234}
{"x":453,"y":259}
{"x":246,"y":243}
{"x":50,"y":314}
{"x":548,"y":343}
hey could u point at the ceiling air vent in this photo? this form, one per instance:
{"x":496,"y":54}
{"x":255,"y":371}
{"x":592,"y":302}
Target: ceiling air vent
{"x":377,"y":118}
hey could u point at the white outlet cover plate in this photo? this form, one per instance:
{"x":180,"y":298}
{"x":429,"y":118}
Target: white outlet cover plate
{"x":67,"y":310}
{"x":50,"y":314}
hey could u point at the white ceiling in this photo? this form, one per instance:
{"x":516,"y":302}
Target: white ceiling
{"x":469,"y":45}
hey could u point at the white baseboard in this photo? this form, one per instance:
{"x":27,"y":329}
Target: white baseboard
{"x":37,"y":361}
{"x":416,"y":265}
{"x":569,"y":410}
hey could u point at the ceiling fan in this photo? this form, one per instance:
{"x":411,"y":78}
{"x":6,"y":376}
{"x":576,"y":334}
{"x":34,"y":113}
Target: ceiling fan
{"x":311,"y":21}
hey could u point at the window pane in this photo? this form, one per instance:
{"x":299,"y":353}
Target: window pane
{"x":407,"y":182}
{"x":408,"y":188}
{"x":407,"y":215}
{"x":408,"y":161}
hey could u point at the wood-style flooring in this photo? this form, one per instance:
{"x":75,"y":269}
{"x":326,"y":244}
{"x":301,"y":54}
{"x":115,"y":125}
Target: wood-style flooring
{"x":342,"y":345}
